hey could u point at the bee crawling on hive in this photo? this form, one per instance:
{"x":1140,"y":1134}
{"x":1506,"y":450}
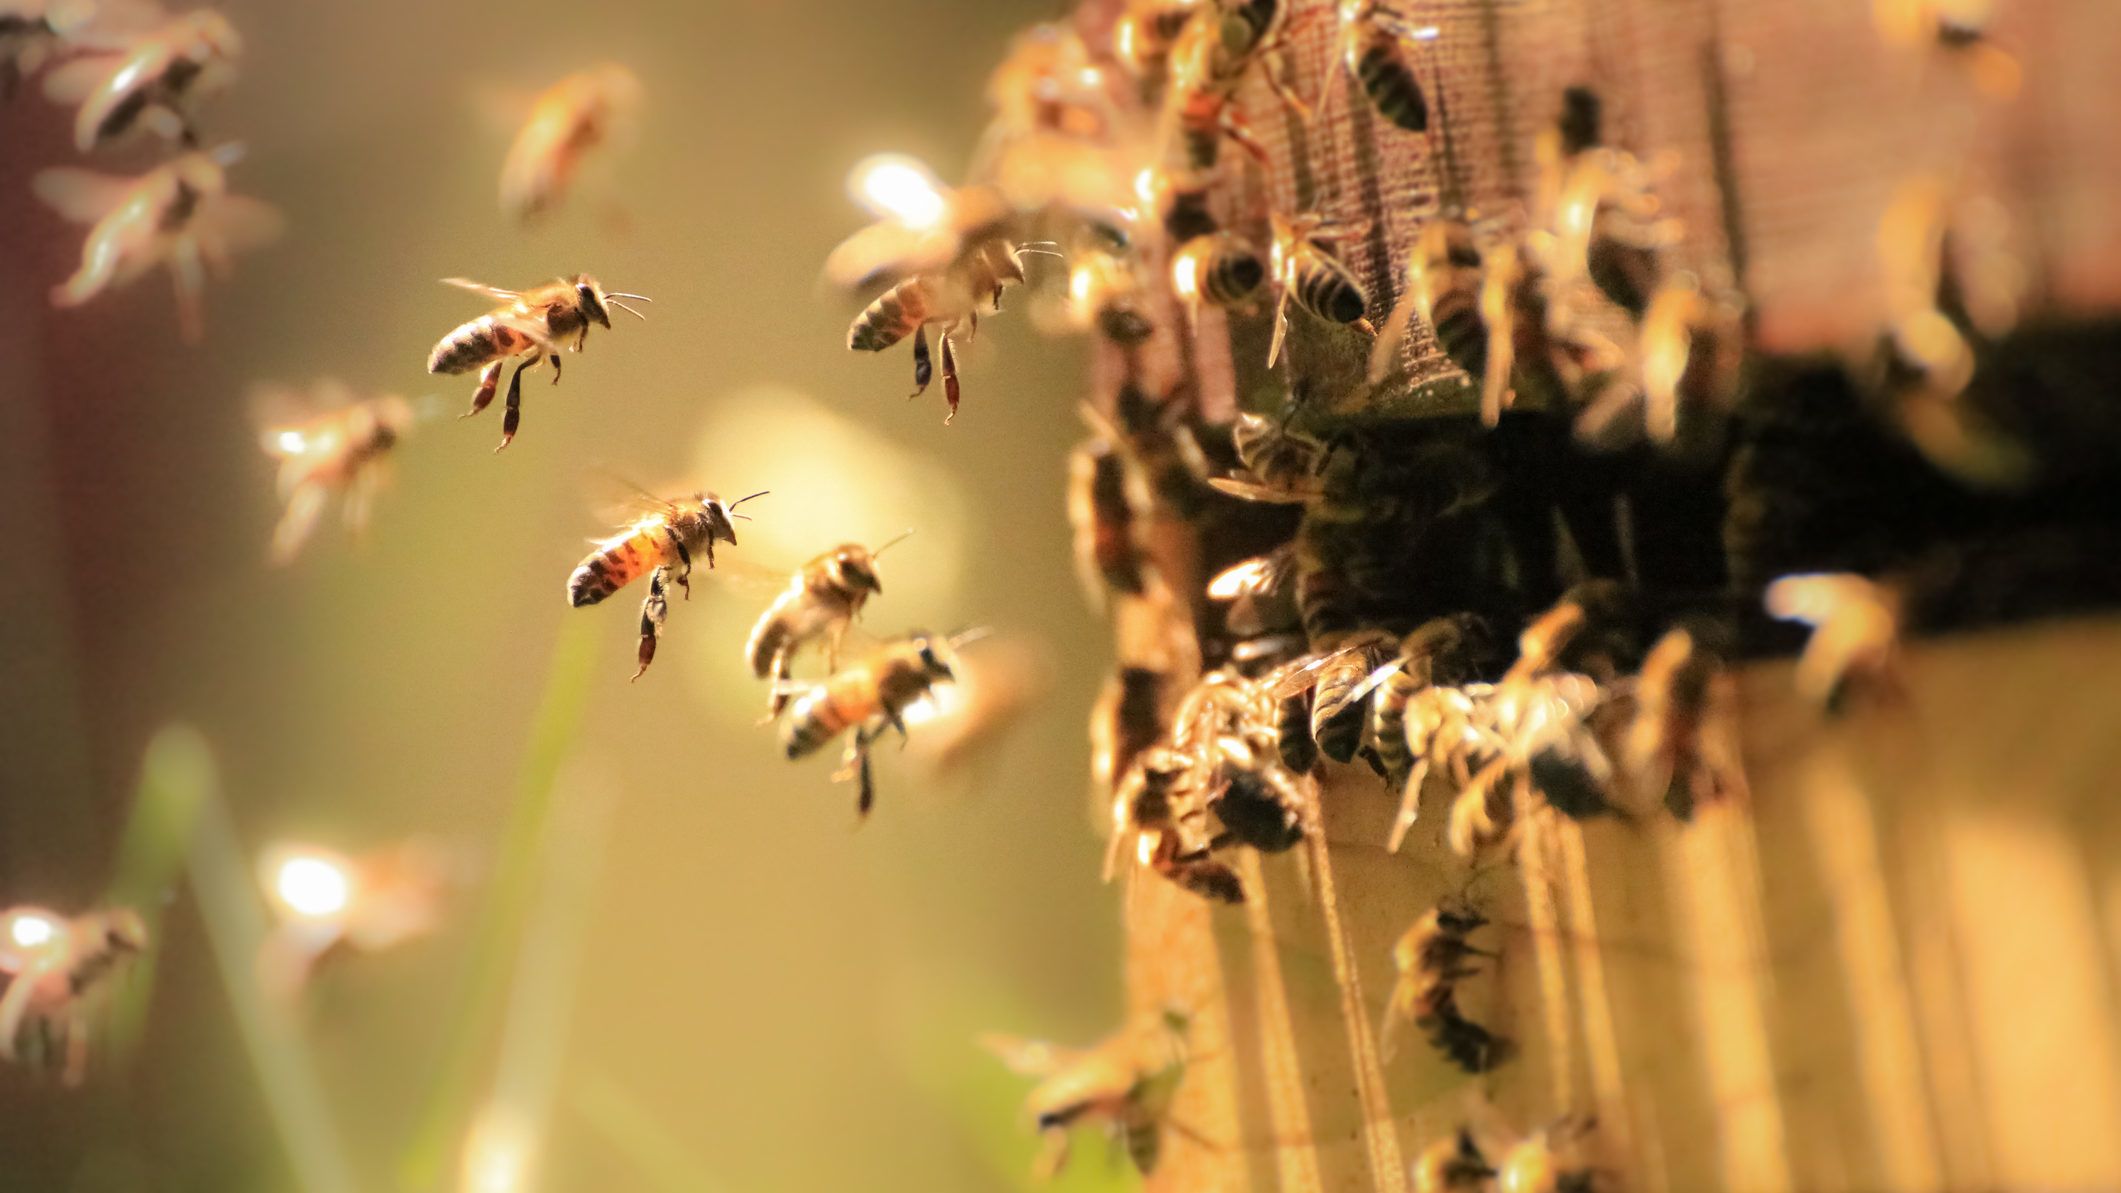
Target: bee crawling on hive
{"x":150,"y":77}
{"x":821,"y":600}
{"x":1432,"y":957}
{"x":342,"y":451}
{"x":1375,"y":44}
{"x":1855,"y":642}
{"x":1682,"y":742}
{"x":1123,"y":1083}
{"x":868,"y":696}
{"x":662,"y":542}
{"x":1554,"y":1159}
{"x":179,"y":215}
{"x":1453,"y":1164}
{"x":567,"y":121}
{"x":59,"y":971}
{"x":529,"y":323}
{"x":1314,"y":279}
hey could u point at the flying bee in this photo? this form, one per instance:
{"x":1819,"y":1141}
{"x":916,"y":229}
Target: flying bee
{"x":1855,"y":640}
{"x":59,"y":971}
{"x":1443,"y":650}
{"x":1223,"y":270}
{"x":31,"y":31}
{"x":1553,"y":1159}
{"x":997,"y":683}
{"x":950,"y":301}
{"x":1608,"y":228}
{"x":661,"y":542}
{"x":568,"y":120}
{"x":1105,"y":292}
{"x":1374,"y":45}
{"x":868,"y":696}
{"x":179,"y":215}
{"x":153,"y":82}
{"x":1431,"y":958}
{"x":1443,"y":286}
{"x":1313,"y":278}
{"x":1453,"y":1164}
{"x":328,"y":904}
{"x":1123,"y":1084}
{"x":1682,"y":742}
{"x":529,"y":323}
{"x":1103,"y":493}
{"x":343,"y":452}
{"x":821,"y":600}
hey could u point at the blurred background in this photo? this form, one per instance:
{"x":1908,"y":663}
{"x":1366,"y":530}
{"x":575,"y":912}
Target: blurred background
{"x":725,"y":986}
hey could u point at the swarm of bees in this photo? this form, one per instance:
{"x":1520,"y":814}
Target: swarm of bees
{"x":59,"y":973}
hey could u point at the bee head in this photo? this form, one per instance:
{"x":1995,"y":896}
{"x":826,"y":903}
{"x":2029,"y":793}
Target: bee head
{"x":721,"y":524}
{"x":853,"y":569}
{"x":932,"y":661}
{"x":125,"y":932}
{"x":591,"y":297}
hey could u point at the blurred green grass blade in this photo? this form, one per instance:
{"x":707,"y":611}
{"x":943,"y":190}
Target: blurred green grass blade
{"x":657,"y":1155}
{"x":176,"y":776}
{"x":506,"y":910}
{"x":235,"y":927}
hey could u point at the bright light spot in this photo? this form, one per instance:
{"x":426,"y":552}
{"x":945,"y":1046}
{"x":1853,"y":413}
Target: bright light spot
{"x":1092,"y":77}
{"x":1145,"y":186}
{"x":1185,"y":276}
{"x":1426,"y":33}
{"x":313,"y":886}
{"x":940,"y":702}
{"x":898,"y":187}
{"x":1081,"y":280}
{"x":497,"y":1153}
{"x":292,"y":442}
{"x":33,"y":931}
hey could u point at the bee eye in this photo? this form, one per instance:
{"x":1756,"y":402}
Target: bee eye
{"x":588,"y":295}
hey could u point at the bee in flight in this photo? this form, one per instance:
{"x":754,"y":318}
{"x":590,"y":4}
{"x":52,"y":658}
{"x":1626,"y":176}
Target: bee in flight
{"x":528,"y":323}
{"x":327,"y":904}
{"x":151,"y":79}
{"x":1123,"y":1083}
{"x":31,"y":31}
{"x":821,"y":601}
{"x":58,"y":971}
{"x":343,"y":452}
{"x":661,"y":542}
{"x":950,"y":301}
{"x":567,"y":121}
{"x":869,"y":696}
{"x":179,"y":214}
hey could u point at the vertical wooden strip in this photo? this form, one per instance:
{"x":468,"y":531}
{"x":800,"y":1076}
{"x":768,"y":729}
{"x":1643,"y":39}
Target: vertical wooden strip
{"x":1387,"y":1170}
{"x":1295,"y":1153}
{"x":1601,"y":1040}
{"x":1543,"y":926}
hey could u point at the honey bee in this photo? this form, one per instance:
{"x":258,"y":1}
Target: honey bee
{"x":1453,"y":1164}
{"x":1855,"y":640}
{"x":59,"y":971}
{"x":1281,"y":464}
{"x":153,"y":82}
{"x":1313,"y":278}
{"x":1338,"y":699}
{"x":1691,"y":349}
{"x":1210,"y":61}
{"x":1432,"y":957}
{"x":179,"y":215}
{"x":1443,"y":650}
{"x":1579,"y":127}
{"x":822,"y":600}
{"x":1222,"y":270}
{"x":1103,"y":493}
{"x":868,"y":696}
{"x":1958,"y":27}
{"x":1682,"y":742}
{"x":343,"y":452}
{"x":32,"y":30}
{"x":1528,"y":351}
{"x":1553,"y":1159}
{"x":950,"y":301}
{"x":997,"y":683}
{"x":1048,"y":84}
{"x":529,"y":323}
{"x":1588,"y":629}
{"x":1126,"y":720}
{"x":1374,"y":42}
{"x":568,"y":120}
{"x":1105,"y":292}
{"x":1159,"y":806}
{"x":1154,"y":435}
{"x":1608,"y":228}
{"x":1123,"y":1083}
{"x":1444,"y":287}
{"x":328,"y":904}
{"x":1181,"y":202}
{"x":1145,"y":34}
{"x":662,"y":542}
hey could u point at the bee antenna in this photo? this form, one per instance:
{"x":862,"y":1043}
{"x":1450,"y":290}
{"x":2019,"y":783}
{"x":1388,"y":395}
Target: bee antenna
{"x":902,"y":537}
{"x":623,"y":294}
{"x":741,"y":500}
{"x":612,"y":300}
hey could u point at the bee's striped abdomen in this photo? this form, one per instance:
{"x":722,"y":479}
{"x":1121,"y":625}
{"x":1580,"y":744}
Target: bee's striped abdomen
{"x":1391,"y":85}
{"x":823,"y":713}
{"x":611,"y":569}
{"x":891,"y":318}
{"x":1325,"y":288}
{"x":1460,"y":330}
{"x":1231,"y":276}
{"x":474,"y":344}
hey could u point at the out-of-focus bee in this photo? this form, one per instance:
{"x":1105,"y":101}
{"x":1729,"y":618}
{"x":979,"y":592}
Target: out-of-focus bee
{"x":1211,"y":60}
{"x":1579,"y":127}
{"x":1432,"y":957}
{"x":1453,"y":1164}
{"x":821,"y":600}
{"x":1608,"y":228}
{"x":529,"y":323}
{"x":868,"y":696}
{"x":949,"y":301}
{"x":568,"y":120}
{"x":661,"y":542}
{"x":59,"y":971}
{"x":1374,"y":46}
{"x":1528,"y":352}
{"x":1105,"y":292}
{"x":922,"y":226}
{"x":1152,"y":433}
{"x":1145,"y":34}
{"x":32,"y":30}
{"x":1160,"y":808}
{"x":1444,"y":287}
{"x":153,"y":82}
{"x":1126,"y":720}
{"x":342,"y":452}
{"x":1123,"y":1084}
{"x":1444,"y":731}
{"x":1691,"y":349}
{"x":1048,"y":83}
{"x":1103,"y":493}
{"x":1855,"y":640}
{"x":1444,"y":650}
{"x":1281,"y":465}
{"x":179,"y":215}
{"x":327,"y":904}
{"x":1554,"y":1159}
{"x":1313,"y":278}
{"x":997,"y":682}
{"x":1683,"y":742}
{"x":1589,"y":629}
{"x":1223,"y":270}
{"x":1180,"y":201}
{"x":1255,"y":588}
{"x":1958,"y":27}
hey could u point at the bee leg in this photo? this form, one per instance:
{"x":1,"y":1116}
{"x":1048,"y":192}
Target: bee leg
{"x":555,"y":358}
{"x":489,"y":382}
{"x":513,"y":416}
{"x":1234,"y":127}
{"x":777,"y":685}
{"x":684,"y":573}
{"x":856,"y":763}
{"x":950,"y":391}
{"x":923,"y":367}
{"x":582,"y":341}
{"x":832,"y":646}
{"x":653,"y":611}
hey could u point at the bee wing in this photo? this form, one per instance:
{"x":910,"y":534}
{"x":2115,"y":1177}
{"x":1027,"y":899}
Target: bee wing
{"x":888,"y":250}
{"x":1254,"y":491}
{"x":481,"y":288}
{"x":1254,"y":576}
{"x":71,"y":83}
{"x":1296,"y":677}
{"x":239,"y":223}
{"x":81,"y":196}
{"x":1369,"y":682}
{"x":1032,"y":1058}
